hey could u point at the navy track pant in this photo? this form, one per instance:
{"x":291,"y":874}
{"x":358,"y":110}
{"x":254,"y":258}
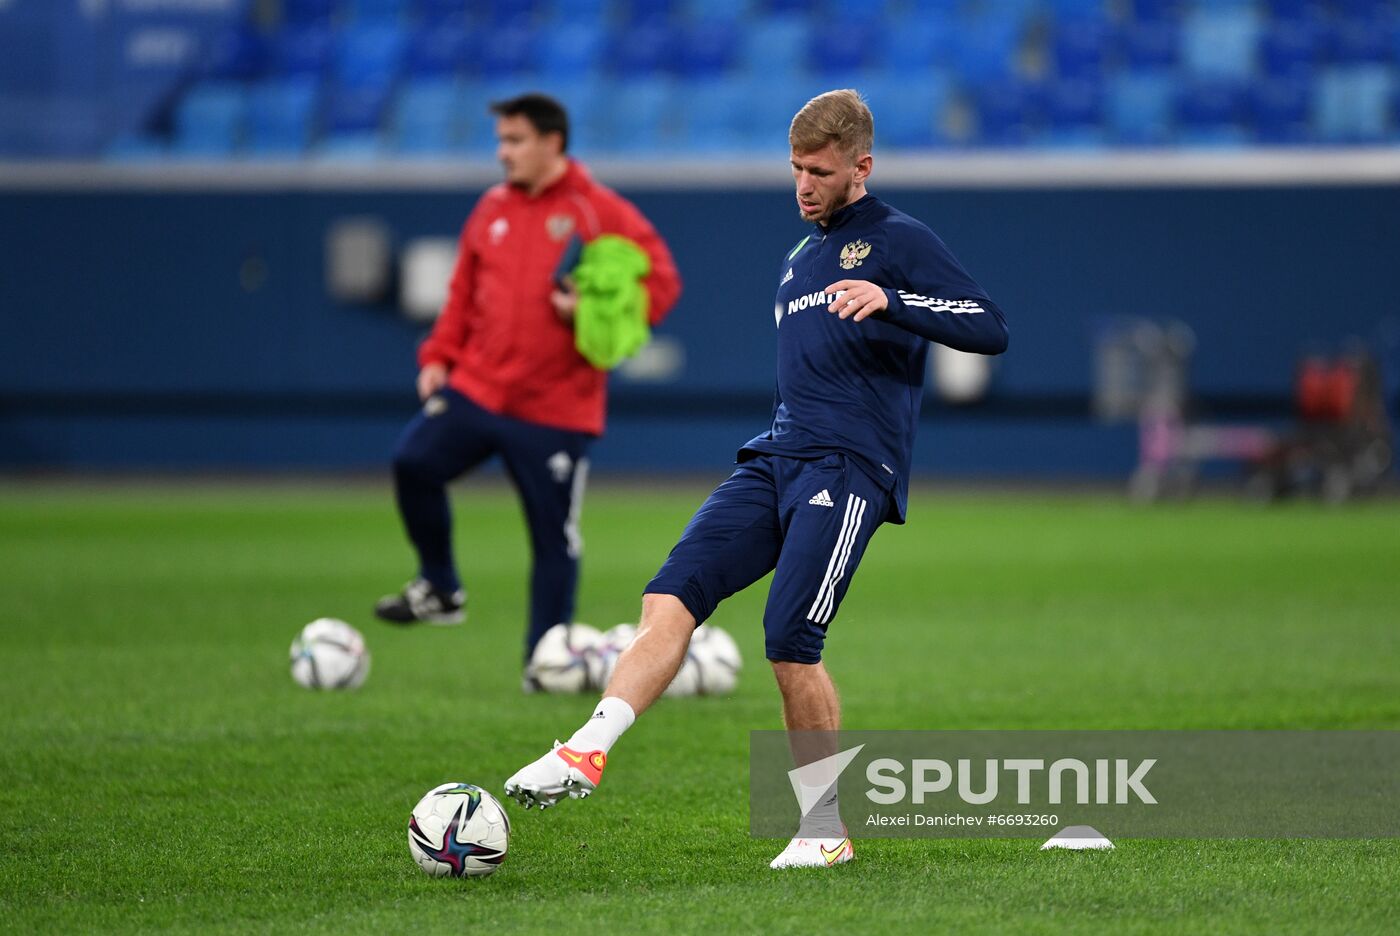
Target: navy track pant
{"x":452,"y":435}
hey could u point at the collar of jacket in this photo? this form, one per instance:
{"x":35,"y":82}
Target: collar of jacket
{"x":847,"y":213}
{"x":575,"y":178}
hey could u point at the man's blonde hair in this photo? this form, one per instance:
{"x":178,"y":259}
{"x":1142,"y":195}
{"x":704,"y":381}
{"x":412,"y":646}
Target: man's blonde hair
{"x":839,"y":117}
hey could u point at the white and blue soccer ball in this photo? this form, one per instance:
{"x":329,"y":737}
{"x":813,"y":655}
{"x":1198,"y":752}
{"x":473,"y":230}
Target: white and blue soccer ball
{"x":604,"y":657}
{"x":717,"y":660}
{"x":458,"y":830}
{"x":329,"y":654}
{"x":711,"y":665}
{"x":564,"y":658}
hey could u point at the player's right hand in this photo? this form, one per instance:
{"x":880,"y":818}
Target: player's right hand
{"x":431,"y":379}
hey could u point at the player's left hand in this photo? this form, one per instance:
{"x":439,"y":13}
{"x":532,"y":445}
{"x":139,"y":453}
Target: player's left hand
{"x":565,"y":301}
{"x":857,"y":299}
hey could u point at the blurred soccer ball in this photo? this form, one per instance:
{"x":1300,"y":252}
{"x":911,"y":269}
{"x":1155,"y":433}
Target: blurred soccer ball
{"x":458,"y":830}
{"x":688,"y":679}
{"x":329,"y":654}
{"x":711,"y":665}
{"x":562,"y":658}
{"x":604,"y":656}
{"x":717,"y":659}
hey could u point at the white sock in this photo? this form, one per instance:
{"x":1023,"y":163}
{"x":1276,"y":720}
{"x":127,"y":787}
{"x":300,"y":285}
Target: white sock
{"x":823,"y":820}
{"x":610,"y":719}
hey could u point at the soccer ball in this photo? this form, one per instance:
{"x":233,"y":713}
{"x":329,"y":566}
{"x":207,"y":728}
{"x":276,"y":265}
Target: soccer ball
{"x":717,"y":658}
{"x":458,"y":830}
{"x":687,"y":681}
{"x":329,"y":654}
{"x":711,"y":665}
{"x":561,"y":659}
{"x":604,"y":656}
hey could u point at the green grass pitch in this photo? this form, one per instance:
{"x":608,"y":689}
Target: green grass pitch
{"x":160,"y":770}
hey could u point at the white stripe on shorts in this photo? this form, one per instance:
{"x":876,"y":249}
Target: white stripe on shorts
{"x":821,"y":609}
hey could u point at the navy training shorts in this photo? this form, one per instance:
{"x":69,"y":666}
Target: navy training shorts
{"x":806,"y":520}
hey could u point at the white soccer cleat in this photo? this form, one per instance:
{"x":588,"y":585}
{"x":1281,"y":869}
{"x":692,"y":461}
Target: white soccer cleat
{"x":562,"y":772}
{"x":814,"y":853}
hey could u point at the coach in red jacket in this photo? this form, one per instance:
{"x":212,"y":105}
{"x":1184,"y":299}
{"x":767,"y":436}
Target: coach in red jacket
{"x":500,"y":373}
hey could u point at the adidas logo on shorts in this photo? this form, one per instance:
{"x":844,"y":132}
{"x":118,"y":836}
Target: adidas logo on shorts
{"x":822,"y":499}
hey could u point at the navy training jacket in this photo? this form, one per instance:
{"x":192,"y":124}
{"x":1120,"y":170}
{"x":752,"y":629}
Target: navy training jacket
{"x":855,"y":387}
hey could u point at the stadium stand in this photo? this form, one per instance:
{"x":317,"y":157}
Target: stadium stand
{"x":321,"y":77}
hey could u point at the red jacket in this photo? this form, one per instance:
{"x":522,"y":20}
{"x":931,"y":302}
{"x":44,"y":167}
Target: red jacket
{"x":498,"y":333}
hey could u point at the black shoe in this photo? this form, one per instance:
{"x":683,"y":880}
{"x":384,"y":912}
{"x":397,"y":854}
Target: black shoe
{"x":421,"y":602}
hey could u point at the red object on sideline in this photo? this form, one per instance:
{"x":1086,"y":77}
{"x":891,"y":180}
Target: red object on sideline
{"x":506,"y":348}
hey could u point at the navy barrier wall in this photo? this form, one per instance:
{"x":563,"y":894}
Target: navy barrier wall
{"x":180,"y":329}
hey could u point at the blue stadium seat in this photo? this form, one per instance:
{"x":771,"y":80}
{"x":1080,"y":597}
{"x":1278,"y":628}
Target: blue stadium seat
{"x":580,"y":11}
{"x":729,"y":11}
{"x":776,"y":45}
{"x":388,"y":10}
{"x":1292,"y":47}
{"x":589,"y":103}
{"x":1008,"y":111}
{"x":1140,"y":107}
{"x":304,"y":50}
{"x":1294,"y":9}
{"x":641,"y":117}
{"x":910,"y":111}
{"x":987,"y":48}
{"x":1280,"y":109}
{"x":571,"y":50}
{"x":1081,"y":45}
{"x":648,"y":12}
{"x":1074,"y":114}
{"x":308,"y":11}
{"x":509,"y":12}
{"x":353,"y":110}
{"x":369,"y":56}
{"x":1358,"y":41}
{"x":786,"y":7}
{"x":913,"y":44}
{"x":281,"y":114}
{"x":772,"y":100}
{"x":1210,"y":113}
{"x":715,"y":115}
{"x":1395,"y":112}
{"x":432,"y":11}
{"x":868,"y":12}
{"x":1353,"y":104}
{"x":641,"y":51}
{"x":1151,"y":45}
{"x":479,"y":122}
{"x":1061,"y":9}
{"x":507,"y":50}
{"x":704,"y":48}
{"x":440,"y":48}
{"x":854,"y":51}
{"x":1363,"y":9}
{"x":240,"y":54}
{"x":1220,"y":43}
{"x":209,"y":120}
{"x":1156,"y":11}
{"x":428,"y":117}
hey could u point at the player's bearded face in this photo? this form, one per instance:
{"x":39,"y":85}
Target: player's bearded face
{"x":826,"y":182}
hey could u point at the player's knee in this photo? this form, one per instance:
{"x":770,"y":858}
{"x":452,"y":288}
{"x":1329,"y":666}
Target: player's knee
{"x":416,"y":466}
{"x":666,"y":610}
